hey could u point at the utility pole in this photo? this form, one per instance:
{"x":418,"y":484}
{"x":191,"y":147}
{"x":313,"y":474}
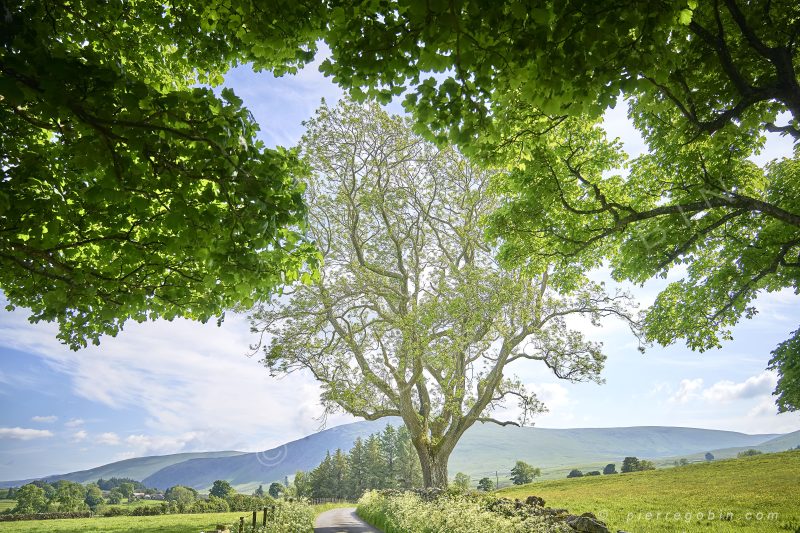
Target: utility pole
{"x":496,"y":480}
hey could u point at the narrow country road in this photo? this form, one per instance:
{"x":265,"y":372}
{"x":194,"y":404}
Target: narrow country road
{"x":342,"y":520}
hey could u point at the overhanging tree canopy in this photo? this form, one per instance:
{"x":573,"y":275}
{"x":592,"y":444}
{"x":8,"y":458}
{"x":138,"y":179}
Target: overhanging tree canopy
{"x":411,"y":315}
{"x":126,"y":191}
{"x":523,"y":86}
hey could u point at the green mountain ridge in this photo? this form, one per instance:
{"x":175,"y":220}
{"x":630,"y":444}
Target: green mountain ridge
{"x":484,"y":449}
{"x":135,"y":468}
{"x":778,"y":444}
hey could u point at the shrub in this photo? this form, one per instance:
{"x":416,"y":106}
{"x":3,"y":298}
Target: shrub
{"x":593,"y":473}
{"x":117,"y":511}
{"x":151,"y":510}
{"x":289,"y":517}
{"x":243,"y":502}
{"x":575,"y":473}
{"x":749,"y":453}
{"x":400,"y":513}
{"x":610,"y":468}
{"x":44,"y":516}
{"x":646,"y":465}
{"x":460,"y":482}
{"x":217,"y":505}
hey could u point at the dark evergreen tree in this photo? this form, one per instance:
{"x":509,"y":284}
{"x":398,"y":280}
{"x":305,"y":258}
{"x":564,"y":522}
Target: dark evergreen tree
{"x":357,"y":483}
{"x":389,"y":446}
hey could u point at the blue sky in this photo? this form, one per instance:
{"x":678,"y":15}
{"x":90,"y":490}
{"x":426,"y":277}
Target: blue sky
{"x":170,"y":387}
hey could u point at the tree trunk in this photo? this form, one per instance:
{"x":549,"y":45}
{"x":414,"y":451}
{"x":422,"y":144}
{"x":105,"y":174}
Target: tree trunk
{"x":434,"y":469}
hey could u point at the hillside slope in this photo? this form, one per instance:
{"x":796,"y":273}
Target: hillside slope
{"x":757,"y":494}
{"x":136,"y":468}
{"x":247,"y":471}
{"x":777,"y":444}
{"x":483,"y":449}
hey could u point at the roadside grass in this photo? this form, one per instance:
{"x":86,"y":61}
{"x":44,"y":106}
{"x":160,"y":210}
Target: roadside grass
{"x":172,"y":523}
{"x":753,"y":494}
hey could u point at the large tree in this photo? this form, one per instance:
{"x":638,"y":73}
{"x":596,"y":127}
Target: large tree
{"x":523,"y":84}
{"x":523,"y":473}
{"x":411,"y":315}
{"x":127,"y":190}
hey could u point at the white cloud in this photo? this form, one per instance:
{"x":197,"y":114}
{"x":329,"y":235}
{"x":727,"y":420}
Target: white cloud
{"x":109,"y":438}
{"x":688,"y":390}
{"x":726,"y":391}
{"x":554,"y":395}
{"x":19,"y":433}
{"x":45,"y":419}
{"x":79,"y":436}
{"x":74,"y":422}
{"x":160,"y":444}
{"x":764,"y":408}
{"x":194,"y":383}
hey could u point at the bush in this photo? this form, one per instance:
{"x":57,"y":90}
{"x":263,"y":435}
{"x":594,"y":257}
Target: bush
{"x":749,"y":453}
{"x":243,"y":502}
{"x":593,"y":473}
{"x":634,"y":464}
{"x":646,"y":465}
{"x":404,"y":512}
{"x":575,"y":473}
{"x":153,"y":510}
{"x":117,"y":511}
{"x":43,"y":516}
{"x":289,"y":517}
{"x":217,"y":505}
{"x":610,"y":468}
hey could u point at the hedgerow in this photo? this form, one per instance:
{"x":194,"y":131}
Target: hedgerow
{"x":450,"y":513}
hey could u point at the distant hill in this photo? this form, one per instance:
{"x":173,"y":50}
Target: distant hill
{"x":137,"y":468}
{"x":498,"y":448}
{"x":249,"y":470}
{"x":483,"y":449}
{"x":777,"y":444}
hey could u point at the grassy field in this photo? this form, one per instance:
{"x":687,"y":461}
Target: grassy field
{"x":135,"y":503}
{"x":7,"y":504}
{"x":175,"y":523}
{"x":754,"y":494}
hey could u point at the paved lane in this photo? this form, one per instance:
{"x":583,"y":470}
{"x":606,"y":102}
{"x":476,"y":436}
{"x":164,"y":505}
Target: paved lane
{"x":342,"y":520}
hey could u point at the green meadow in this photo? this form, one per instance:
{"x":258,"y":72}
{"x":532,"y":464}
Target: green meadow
{"x":753,"y":494}
{"x":174,"y":523}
